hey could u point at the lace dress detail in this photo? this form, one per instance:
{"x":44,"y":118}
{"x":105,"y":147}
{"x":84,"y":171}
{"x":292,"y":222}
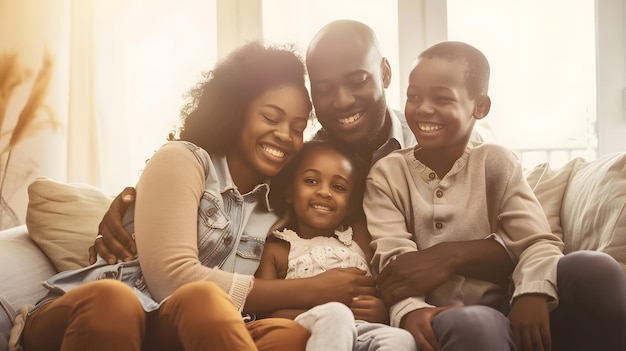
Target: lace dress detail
{"x":309,"y":257}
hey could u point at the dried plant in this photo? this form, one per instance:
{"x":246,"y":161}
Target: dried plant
{"x":30,"y":118}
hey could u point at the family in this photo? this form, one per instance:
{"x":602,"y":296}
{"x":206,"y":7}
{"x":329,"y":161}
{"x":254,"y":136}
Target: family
{"x":387,"y":231}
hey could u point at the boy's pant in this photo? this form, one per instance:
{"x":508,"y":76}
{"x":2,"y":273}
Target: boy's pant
{"x":591,"y":314}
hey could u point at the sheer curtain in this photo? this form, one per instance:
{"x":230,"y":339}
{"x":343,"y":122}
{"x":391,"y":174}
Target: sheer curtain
{"x":29,"y":31}
{"x":132,"y":62}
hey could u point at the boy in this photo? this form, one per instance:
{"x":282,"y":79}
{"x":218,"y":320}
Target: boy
{"x":450,"y":189}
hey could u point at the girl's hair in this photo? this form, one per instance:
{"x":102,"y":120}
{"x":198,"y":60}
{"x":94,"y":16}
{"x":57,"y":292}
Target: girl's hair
{"x":281,"y":183}
{"x":217,"y":106}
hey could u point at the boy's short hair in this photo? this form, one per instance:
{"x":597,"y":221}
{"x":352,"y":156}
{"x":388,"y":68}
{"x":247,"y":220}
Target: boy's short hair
{"x":477,"y":74}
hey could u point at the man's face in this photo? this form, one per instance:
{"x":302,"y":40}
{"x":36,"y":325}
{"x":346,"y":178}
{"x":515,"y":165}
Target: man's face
{"x":348,"y":90}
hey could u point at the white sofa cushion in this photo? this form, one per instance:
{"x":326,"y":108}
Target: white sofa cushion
{"x":593,"y":214}
{"x":23,"y":267}
{"x":550,"y":186}
{"x":63,"y":218}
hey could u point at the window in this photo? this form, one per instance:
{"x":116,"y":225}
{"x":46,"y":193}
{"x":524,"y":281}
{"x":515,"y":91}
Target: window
{"x":542,"y":56}
{"x":146,"y":57}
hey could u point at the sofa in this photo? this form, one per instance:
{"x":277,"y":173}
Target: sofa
{"x":584,"y":202}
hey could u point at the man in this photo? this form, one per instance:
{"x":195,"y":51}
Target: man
{"x":348,"y":77}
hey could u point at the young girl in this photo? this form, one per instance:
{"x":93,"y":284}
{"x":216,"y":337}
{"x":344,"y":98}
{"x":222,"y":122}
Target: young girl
{"x":318,"y":194}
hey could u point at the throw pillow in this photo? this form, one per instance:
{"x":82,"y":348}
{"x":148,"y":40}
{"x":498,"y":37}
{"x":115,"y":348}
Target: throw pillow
{"x":63,"y":218}
{"x":550,"y":186}
{"x":593,"y":213}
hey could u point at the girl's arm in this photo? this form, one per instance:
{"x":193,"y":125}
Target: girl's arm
{"x":274,"y":260}
{"x":362,"y":237}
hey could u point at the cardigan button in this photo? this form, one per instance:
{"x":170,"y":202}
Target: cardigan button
{"x":438,"y":225}
{"x":439,"y":193}
{"x":432,"y":175}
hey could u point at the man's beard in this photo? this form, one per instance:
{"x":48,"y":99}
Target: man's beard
{"x":374,"y":134}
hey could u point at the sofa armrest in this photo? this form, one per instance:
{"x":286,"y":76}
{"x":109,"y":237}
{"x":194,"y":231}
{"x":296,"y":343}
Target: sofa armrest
{"x":22,"y":268}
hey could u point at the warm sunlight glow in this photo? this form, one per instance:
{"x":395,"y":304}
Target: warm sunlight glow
{"x":145,"y":63}
{"x":542,"y":56}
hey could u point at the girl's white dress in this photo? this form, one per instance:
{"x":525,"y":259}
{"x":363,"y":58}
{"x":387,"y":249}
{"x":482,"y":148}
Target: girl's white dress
{"x":309,"y":257}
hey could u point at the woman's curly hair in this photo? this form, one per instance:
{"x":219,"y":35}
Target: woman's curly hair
{"x":216,"y":110}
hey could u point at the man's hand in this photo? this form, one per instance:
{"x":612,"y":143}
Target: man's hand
{"x":113,"y":241}
{"x":415,"y":273}
{"x":419,"y":273}
{"x":370,"y":309}
{"x":419,"y":324}
{"x":530,"y":322}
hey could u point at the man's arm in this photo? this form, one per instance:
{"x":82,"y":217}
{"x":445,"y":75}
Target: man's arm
{"x":418,"y":273}
{"x":113,"y":241}
{"x":479,"y":259}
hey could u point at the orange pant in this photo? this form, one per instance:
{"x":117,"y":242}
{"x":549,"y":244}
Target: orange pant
{"x":106,"y":315}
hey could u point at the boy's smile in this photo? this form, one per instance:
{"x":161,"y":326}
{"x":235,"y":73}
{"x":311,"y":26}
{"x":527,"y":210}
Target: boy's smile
{"x":439,"y":110}
{"x":429,"y":127}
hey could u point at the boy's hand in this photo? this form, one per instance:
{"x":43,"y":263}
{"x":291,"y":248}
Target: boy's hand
{"x":370,"y":309}
{"x":530,"y":322}
{"x":113,"y":241}
{"x":419,"y":324}
{"x":415,"y":273}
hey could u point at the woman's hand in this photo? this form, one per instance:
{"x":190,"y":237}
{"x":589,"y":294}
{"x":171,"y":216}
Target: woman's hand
{"x":342,"y":285}
{"x":370,"y":309}
{"x":337,"y":284}
{"x":113,"y":241}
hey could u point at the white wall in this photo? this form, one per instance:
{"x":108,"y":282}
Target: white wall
{"x":611,"y":75}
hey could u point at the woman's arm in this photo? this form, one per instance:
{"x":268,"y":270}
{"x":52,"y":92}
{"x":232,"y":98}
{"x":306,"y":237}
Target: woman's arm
{"x":337,"y":284}
{"x":166,"y":224}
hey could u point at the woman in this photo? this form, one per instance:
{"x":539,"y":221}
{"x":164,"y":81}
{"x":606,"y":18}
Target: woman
{"x":200,"y":220}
